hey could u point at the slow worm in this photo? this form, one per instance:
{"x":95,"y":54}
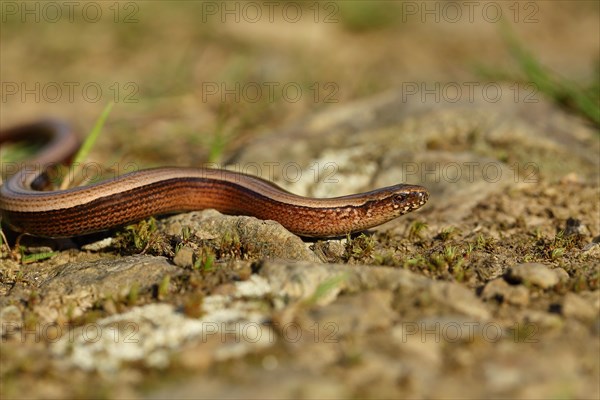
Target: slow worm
{"x":137,"y":195}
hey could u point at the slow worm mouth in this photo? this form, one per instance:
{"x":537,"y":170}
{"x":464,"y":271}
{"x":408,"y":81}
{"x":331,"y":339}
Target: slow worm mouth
{"x":140,"y":194}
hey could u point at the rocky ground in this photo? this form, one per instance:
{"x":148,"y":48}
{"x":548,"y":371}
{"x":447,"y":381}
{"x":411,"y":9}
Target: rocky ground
{"x":490,"y":290}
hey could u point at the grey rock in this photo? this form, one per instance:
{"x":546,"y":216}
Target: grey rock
{"x":77,"y":286}
{"x":355,"y":314}
{"x":259,"y":239}
{"x":301,"y":281}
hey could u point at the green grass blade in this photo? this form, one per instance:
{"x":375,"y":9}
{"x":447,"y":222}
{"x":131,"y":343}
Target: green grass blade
{"x":585,"y":101}
{"x":89,"y":142}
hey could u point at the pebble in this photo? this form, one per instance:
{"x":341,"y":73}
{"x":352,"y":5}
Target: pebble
{"x":535,"y":274}
{"x":99,"y":245}
{"x":575,"y":227}
{"x":534,"y":320}
{"x":184,"y":257}
{"x":517,"y":295}
{"x":563,"y":276}
{"x":10,"y":318}
{"x":575,"y":306}
{"x":459,"y":299}
{"x":593,"y":248}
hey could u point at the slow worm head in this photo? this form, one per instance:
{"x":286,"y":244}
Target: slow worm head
{"x":140,"y":194}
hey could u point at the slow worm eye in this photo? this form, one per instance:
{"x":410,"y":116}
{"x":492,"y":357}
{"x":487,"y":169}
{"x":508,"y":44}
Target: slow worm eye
{"x":400,"y":198}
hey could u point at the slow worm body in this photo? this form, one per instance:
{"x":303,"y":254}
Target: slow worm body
{"x":140,"y":194}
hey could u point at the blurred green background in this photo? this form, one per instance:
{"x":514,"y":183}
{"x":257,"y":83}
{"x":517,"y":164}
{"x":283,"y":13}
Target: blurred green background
{"x":193,"y":80}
